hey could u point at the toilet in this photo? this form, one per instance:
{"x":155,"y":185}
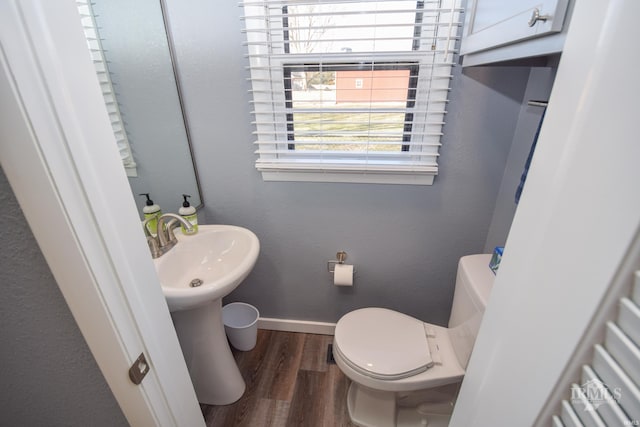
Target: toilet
{"x":406,"y":372}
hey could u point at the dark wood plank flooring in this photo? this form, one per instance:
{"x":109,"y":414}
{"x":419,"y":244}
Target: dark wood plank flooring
{"x":289,"y":384}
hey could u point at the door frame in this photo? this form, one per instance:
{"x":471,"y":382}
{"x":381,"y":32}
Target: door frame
{"x":59,"y":154}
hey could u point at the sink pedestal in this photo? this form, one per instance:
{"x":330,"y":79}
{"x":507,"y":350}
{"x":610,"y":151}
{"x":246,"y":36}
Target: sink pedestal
{"x":213,"y":370}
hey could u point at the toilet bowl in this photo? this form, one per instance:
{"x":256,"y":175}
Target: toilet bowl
{"x":390,"y":356}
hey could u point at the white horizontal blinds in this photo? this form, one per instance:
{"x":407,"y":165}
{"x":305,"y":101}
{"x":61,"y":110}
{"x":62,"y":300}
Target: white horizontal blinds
{"x":100,"y":64}
{"x":350,"y":85}
{"x":609,"y":390}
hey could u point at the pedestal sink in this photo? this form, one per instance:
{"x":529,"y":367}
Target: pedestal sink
{"x":195,"y":275}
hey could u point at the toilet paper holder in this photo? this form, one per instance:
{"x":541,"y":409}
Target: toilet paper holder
{"x":341,"y":256}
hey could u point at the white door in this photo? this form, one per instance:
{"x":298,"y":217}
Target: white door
{"x":578,"y":215}
{"x":60,"y":156}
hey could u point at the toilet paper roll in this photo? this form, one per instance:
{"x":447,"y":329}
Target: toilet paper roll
{"x":343,"y":275}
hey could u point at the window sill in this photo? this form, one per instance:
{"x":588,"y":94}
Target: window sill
{"x":368,"y":177}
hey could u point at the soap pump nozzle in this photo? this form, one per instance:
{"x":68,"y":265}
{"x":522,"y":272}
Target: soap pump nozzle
{"x":149,"y":202}
{"x":186,"y":204}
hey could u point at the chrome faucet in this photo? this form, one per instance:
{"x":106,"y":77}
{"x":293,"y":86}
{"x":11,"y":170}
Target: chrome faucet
{"x":164,"y":239}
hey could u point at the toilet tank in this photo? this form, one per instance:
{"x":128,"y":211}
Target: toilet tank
{"x":473,"y":286}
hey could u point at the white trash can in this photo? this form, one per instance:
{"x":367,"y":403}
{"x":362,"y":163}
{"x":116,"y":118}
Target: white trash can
{"x":241,"y":325}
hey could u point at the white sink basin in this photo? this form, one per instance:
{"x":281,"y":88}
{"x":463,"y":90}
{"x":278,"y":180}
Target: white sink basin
{"x":220,"y":256}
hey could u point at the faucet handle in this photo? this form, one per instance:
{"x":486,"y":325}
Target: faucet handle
{"x":171,"y":237}
{"x":154,"y":248}
{"x":145,"y":226}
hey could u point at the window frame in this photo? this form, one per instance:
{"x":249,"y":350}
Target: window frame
{"x":412,"y":68}
{"x":279,"y":161}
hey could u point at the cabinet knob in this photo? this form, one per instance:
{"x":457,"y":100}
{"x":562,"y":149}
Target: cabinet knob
{"x":535,"y":17}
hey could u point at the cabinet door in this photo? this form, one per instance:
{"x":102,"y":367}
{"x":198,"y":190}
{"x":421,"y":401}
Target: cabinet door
{"x":493,"y":23}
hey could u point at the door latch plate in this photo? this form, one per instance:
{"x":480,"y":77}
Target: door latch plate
{"x":139,"y":369}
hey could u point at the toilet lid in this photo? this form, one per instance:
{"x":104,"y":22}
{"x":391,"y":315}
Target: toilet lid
{"x":383,"y":343}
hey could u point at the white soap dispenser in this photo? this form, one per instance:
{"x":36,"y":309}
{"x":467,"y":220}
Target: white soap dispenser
{"x":188,"y":212}
{"x":151,"y":210}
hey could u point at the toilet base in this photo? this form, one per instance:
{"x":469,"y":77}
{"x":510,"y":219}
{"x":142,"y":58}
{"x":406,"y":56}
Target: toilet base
{"x":422,"y":416}
{"x":373,"y":408}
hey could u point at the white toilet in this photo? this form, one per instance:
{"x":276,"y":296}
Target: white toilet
{"x":406,"y":372}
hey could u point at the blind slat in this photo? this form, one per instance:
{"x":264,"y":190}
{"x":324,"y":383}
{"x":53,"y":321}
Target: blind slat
{"x":280,"y":16}
{"x":374,"y":137}
{"x":354,"y":111}
{"x":344,"y":166}
{"x":429,"y":25}
{"x":374,"y":144}
{"x":99,"y":61}
{"x":357,"y":123}
{"x":431,"y":51}
{"x":443,"y":64}
{"x":314,"y":2}
{"x":356,"y":155}
{"x":377,"y":122}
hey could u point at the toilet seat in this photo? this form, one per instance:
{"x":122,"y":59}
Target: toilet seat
{"x":383,"y":344}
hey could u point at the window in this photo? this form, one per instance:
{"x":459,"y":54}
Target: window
{"x":350,"y":91}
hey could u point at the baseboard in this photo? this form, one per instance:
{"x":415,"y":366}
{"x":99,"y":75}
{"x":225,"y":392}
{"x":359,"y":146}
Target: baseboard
{"x":288,"y":325}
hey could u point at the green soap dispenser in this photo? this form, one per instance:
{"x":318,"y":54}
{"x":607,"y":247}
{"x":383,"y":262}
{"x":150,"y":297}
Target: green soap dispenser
{"x":153,"y":211}
{"x":188,"y":212}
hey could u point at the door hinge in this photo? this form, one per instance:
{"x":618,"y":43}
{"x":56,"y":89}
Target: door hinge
{"x":139,"y":369}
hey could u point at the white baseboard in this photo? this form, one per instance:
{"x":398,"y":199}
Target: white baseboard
{"x":288,"y":325}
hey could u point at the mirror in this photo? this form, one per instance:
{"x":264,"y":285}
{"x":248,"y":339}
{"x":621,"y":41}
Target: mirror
{"x":138,"y":55}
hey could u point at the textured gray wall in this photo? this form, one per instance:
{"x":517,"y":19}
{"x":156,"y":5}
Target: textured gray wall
{"x":404,"y":240}
{"x":48,"y":376}
{"x":538,"y":88}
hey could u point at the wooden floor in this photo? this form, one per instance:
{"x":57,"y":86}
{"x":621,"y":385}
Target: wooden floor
{"x":289,"y":383}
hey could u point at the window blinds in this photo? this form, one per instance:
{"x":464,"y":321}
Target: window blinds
{"x":345,"y":86}
{"x":100,"y":64}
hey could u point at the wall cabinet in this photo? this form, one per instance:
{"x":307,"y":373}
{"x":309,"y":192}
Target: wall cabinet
{"x":501,"y":30}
